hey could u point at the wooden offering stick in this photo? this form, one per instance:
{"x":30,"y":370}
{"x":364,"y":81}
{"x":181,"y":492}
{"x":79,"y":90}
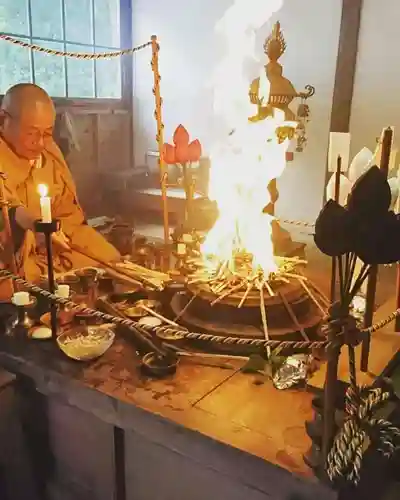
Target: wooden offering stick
{"x":386,"y":148}
{"x":337,"y":195}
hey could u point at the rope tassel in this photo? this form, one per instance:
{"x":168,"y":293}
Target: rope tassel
{"x":359,"y":431}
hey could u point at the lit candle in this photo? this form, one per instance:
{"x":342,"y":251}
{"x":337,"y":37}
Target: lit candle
{"x":181,"y":249}
{"x":187,"y":238}
{"x":21,"y":299}
{"x":45,"y":203}
{"x":62,"y":291}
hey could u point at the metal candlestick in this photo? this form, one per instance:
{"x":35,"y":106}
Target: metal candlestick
{"x":24,"y":321}
{"x":48,"y":228}
{"x":9,"y":251}
{"x":20,"y":325}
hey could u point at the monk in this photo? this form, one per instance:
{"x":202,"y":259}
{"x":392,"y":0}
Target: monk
{"x":29,"y":157}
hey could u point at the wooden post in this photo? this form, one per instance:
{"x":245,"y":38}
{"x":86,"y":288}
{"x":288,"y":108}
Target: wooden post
{"x":346,"y":63}
{"x":397,"y":320}
{"x":337,"y":195}
{"x":329,"y":414}
{"x":160,"y":142}
{"x":386,"y":147}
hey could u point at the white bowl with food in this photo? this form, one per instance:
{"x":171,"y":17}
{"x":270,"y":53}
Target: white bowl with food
{"x":86,"y":343}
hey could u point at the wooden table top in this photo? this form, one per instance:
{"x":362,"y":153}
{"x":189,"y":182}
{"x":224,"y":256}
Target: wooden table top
{"x":224,"y":404}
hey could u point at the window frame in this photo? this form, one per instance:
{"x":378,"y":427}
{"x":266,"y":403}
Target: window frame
{"x":95,"y":104}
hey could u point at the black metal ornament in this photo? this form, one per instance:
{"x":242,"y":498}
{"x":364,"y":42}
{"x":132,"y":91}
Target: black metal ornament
{"x":365,"y":226}
{"x":370,"y":196}
{"x":333,"y":230}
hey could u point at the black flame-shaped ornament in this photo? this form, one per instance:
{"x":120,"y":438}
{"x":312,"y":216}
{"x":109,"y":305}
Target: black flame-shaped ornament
{"x":365,"y":226}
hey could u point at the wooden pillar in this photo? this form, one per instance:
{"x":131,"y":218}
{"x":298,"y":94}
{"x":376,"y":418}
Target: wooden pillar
{"x":340,"y":122}
{"x":345,"y":69}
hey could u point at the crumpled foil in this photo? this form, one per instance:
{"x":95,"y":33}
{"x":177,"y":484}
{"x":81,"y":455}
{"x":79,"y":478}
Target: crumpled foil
{"x":291,"y":372}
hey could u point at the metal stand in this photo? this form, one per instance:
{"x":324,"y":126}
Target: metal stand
{"x":48,"y":228}
{"x":9,"y":251}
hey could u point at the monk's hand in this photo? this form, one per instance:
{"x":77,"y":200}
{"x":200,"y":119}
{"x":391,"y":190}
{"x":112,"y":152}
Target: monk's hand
{"x":40,"y":242}
{"x":61,"y":241}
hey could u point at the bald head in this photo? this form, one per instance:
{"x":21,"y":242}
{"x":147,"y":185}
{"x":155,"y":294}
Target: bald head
{"x":27,"y":119}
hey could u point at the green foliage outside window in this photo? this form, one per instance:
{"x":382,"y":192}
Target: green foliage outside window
{"x":88,"y":26}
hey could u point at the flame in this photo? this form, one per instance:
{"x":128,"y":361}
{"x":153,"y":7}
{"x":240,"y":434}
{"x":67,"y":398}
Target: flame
{"x":250,"y":157}
{"x":43,"y":190}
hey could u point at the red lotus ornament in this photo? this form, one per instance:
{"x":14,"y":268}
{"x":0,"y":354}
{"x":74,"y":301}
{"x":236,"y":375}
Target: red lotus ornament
{"x":182,"y":151}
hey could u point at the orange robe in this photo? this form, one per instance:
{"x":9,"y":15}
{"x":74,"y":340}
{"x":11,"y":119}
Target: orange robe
{"x":22,"y":180}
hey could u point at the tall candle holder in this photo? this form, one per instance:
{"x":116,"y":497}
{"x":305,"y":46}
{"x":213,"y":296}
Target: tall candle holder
{"x":47,"y":229}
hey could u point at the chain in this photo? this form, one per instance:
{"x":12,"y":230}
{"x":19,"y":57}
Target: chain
{"x":76,"y":55}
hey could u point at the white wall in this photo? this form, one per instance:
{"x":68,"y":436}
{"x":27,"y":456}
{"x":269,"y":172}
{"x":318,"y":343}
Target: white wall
{"x":189,"y":54}
{"x":375,"y":102}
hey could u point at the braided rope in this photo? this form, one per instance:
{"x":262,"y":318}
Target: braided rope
{"x":163,"y":331}
{"x":380,"y":324}
{"x":346,"y":456}
{"x":75,"y":55}
{"x":296,"y":223}
{"x":181,"y":333}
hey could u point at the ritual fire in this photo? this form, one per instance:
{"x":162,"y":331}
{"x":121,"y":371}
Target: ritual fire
{"x":237,"y":266}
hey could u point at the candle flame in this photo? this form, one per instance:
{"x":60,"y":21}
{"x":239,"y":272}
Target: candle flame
{"x":43,"y":190}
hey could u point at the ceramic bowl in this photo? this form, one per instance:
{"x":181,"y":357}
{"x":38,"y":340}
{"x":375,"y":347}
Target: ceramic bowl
{"x":87,"y":343}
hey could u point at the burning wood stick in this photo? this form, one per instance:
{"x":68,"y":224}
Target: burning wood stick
{"x":221,"y":270}
{"x":269,"y":289}
{"x":296,"y":276}
{"x":227,"y":293}
{"x":246,"y":294}
{"x":282,"y":278}
{"x":264,"y":318}
{"x":321,"y":294}
{"x":219,"y":288}
{"x":311,"y":295}
{"x":113,"y":270}
{"x":178,"y":316}
{"x":293,"y":317}
{"x":159,"y":316}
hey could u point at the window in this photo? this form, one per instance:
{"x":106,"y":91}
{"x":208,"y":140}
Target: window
{"x":88,"y":26}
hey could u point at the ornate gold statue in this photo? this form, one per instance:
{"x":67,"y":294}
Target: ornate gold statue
{"x":272,"y":90}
